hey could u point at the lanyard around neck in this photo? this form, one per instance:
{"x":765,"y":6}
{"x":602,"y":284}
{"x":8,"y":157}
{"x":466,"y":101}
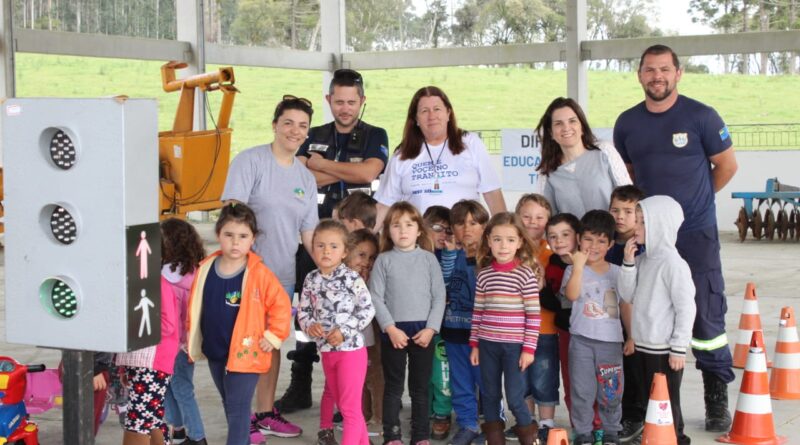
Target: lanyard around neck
{"x":438,"y":158}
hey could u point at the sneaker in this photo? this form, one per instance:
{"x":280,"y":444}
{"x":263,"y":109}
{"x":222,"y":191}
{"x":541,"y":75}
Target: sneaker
{"x":441,"y":427}
{"x":544,"y":432}
{"x":598,"y":437}
{"x":610,"y":439}
{"x":273,"y":424}
{"x":326,"y":437}
{"x":511,"y":434}
{"x":584,"y":439}
{"x":374,"y":428}
{"x":373,"y":433}
{"x":464,"y":436}
{"x":256,"y":438}
{"x":630,"y":430}
{"x":178,"y":436}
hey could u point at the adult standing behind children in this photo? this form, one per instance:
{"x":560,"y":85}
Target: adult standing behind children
{"x":577,"y":172}
{"x":437,"y":163}
{"x":282,"y":194}
{"x":344,"y":156}
{"x":348,"y":153}
{"x":677,"y":146}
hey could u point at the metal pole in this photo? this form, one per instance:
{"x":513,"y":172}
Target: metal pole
{"x":577,"y":72}
{"x":78,"y":419}
{"x":8,"y":84}
{"x":191,"y":28}
{"x":333,"y":33}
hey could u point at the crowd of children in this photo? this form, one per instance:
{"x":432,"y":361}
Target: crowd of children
{"x":465,"y":309}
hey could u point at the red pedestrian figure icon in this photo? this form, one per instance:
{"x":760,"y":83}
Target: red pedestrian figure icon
{"x":142,"y":252}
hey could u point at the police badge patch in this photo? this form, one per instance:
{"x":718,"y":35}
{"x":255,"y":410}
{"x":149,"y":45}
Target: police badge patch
{"x":679,"y":140}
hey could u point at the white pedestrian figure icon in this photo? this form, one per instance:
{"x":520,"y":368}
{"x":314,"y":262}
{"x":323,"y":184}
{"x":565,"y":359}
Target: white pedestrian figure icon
{"x":142,"y":251}
{"x":144,"y":305}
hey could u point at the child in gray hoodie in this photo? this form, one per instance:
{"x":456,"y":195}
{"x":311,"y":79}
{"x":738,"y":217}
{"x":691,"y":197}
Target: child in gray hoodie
{"x":659,"y":284}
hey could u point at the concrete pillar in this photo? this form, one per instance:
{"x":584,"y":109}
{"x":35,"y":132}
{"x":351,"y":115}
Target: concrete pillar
{"x":333,"y":38}
{"x":191,"y":28}
{"x":577,"y":69}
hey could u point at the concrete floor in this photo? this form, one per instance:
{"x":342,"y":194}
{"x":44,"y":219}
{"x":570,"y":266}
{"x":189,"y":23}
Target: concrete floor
{"x":773,"y":266}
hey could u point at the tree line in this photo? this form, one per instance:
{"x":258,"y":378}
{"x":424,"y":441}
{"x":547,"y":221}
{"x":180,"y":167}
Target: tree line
{"x":374,"y":25}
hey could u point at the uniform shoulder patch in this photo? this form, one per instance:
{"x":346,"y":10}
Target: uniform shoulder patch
{"x":724,"y":133}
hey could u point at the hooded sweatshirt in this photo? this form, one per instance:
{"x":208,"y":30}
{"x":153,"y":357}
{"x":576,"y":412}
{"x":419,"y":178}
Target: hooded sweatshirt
{"x":181,"y":285}
{"x":660,"y":284}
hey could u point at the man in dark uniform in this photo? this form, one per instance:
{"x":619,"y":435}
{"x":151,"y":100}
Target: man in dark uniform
{"x":344,"y":155}
{"x":677,"y":146}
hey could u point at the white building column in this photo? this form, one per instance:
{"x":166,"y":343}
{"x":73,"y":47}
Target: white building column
{"x":577,"y":68}
{"x":191,"y":29}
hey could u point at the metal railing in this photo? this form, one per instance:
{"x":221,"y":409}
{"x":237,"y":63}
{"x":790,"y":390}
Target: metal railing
{"x":745,"y":137}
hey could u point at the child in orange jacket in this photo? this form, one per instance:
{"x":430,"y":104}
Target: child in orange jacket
{"x":238,"y":315}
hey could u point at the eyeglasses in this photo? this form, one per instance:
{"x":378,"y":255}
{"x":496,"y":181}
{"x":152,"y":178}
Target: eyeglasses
{"x":439,"y":228}
{"x":348,"y":74}
{"x":303,"y":100}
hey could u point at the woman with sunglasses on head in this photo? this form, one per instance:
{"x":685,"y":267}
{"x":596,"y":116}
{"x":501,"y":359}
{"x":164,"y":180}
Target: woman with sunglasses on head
{"x":437,"y":163}
{"x":283,"y":194}
{"x":578,"y":172}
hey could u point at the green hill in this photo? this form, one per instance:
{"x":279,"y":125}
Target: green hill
{"x":483,"y":97}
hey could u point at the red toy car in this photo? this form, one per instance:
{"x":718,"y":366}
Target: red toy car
{"x":15,"y":425}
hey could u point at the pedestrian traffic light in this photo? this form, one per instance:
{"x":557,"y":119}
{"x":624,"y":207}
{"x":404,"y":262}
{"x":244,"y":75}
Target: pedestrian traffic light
{"x":82,"y":256}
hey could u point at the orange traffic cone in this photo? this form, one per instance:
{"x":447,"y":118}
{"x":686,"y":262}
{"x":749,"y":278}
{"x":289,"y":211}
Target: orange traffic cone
{"x":749,"y":322}
{"x":658,"y":426}
{"x":557,"y":436}
{"x":784,"y":382}
{"x":752,"y":422}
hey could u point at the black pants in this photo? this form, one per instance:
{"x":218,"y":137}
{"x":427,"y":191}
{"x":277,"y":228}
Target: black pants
{"x":651,"y":364}
{"x":632,"y":408}
{"x":420,"y":362}
{"x":305,"y":352}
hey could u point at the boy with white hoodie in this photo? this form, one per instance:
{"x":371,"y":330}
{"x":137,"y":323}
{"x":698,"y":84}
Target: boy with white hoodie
{"x":659,"y":284}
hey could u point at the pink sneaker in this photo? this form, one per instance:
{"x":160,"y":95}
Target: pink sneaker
{"x":276,"y":425}
{"x":256,"y":438}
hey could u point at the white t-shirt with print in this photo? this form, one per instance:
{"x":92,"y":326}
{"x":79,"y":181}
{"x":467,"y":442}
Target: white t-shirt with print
{"x":462,"y":176}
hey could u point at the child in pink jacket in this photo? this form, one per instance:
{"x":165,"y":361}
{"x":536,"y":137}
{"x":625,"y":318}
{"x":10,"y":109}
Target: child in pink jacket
{"x":148,"y":373}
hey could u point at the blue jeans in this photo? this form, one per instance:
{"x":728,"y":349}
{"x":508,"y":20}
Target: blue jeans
{"x":500,"y":364}
{"x":465,"y":383}
{"x":180,"y":406}
{"x":236,"y":389}
{"x":542,"y":375}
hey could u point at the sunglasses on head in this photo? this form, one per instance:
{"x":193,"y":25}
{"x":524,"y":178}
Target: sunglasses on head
{"x":303,"y":100}
{"x":439,"y":228}
{"x":347,"y":74}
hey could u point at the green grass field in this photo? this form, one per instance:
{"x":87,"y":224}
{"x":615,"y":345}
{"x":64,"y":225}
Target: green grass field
{"x":483,"y":97}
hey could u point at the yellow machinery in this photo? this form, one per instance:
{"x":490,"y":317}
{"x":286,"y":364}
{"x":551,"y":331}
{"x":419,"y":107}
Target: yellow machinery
{"x":194,"y":164}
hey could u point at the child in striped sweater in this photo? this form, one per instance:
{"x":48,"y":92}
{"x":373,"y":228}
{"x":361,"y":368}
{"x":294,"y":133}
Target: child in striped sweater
{"x":505,"y":323}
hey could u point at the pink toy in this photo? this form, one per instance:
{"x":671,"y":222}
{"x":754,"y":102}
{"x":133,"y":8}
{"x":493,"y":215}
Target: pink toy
{"x":43,"y":392}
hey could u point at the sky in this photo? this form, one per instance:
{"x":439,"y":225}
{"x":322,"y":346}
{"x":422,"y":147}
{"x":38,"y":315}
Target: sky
{"x":673,"y":16}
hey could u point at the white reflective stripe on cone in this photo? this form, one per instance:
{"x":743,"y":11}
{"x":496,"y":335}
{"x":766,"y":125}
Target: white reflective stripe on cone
{"x":302,"y":337}
{"x":750,"y":307}
{"x":756,"y":361}
{"x":659,"y":412}
{"x":788,"y":335}
{"x":744,"y":337}
{"x":753,"y":403}
{"x":787,"y":361}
